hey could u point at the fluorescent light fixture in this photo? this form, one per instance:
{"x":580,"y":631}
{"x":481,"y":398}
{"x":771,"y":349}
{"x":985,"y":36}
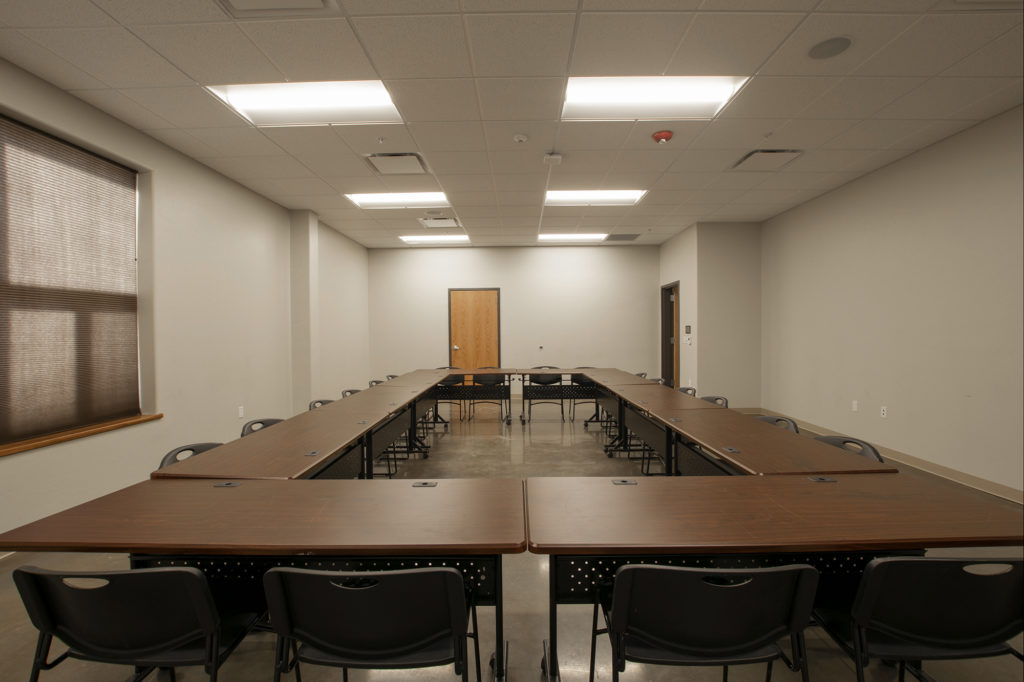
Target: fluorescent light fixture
{"x":648,"y":97}
{"x":571,"y":237}
{"x":594,"y":197}
{"x":434,"y":238}
{"x":283,"y":104}
{"x":399,"y":200}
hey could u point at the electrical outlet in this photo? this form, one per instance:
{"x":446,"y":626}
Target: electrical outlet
{"x":853,"y":406}
{"x":884,"y":412}
{"x":241,"y":411}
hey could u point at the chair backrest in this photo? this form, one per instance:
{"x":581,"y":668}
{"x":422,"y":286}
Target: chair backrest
{"x":717,"y":399}
{"x":781,"y":422}
{"x":489,"y":379}
{"x":258,"y":425}
{"x":545,"y":379}
{"x":688,"y":390}
{"x":319,"y":403}
{"x":374,"y":382}
{"x":184,"y":452}
{"x":943,"y":602}
{"x":367,"y":614}
{"x":350,"y":391}
{"x":451,"y":379}
{"x":119,"y":616}
{"x":706,"y":611}
{"x":389,"y":377}
{"x":581,"y":379}
{"x":642,"y":375}
{"x":853,"y":445}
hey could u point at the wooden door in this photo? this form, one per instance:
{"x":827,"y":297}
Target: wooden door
{"x":473,"y":328}
{"x":670,"y":334}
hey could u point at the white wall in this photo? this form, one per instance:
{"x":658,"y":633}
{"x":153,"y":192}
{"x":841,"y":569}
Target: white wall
{"x":214,"y":265}
{"x":729,"y":311}
{"x":594,"y":306}
{"x":904,"y":289}
{"x":344,"y":344}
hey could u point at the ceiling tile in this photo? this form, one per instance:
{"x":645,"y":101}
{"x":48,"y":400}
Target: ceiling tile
{"x":584,"y":162}
{"x":626,"y":44}
{"x":386,"y":138}
{"x":810,"y":181}
{"x":713,"y":160}
{"x":353,"y":184}
{"x":644,"y":161}
{"x":357,"y":7}
{"x":520,"y":198}
{"x":1001,"y":57}
{"x":736,"y":133}
{"x":856,"y":97}
{"x":123,"y":108}
{"x":163,"y":12}
{"x":943,"y":97}
{"x":930,"y":132}
{"x":52,"y":14}
{"x":936,"y":42}
{"x":301,"y":140}
{"x":868,"y":33}
{"x":876,"y":134}
{"x":410,"y":183}
{"x":186,"y":107}
{"x":502,"y":99}
{"x":212,"y":54}
{"x":690,"y":180}
{"x":875,"y":6}
{"x":455,"y":163}
{"x":540,"y":135}
{"x":321,"y":50}
{"x":576,"y":181}
{"x":335,"y":165}
{"x":18,"y":49}
{"x":435,"y":99}
{"x":235,"y":141}
{"x":295,"y":187}
{"x":520,"y":44}
{"x":430,"y":46}
{"x":514,"y":161}
{"x":640,"y":5}
{"x":457,"y":136}
{"x":731,"y":180}
{"x":462,"y":199}
{"x":579,"y":135}
{"x":803,"y":133}
{"x":111,"y":55}
{"x":472,"y":182}
{"x":830,"y":160}
{"x":280,"y":166}
{"x":759,"y":5}
{"x":730,"y":44}
{"x":630,"y":180}
{"x":994,"y":104}
{"x":775,"y":97}
{"x":519,"y":5}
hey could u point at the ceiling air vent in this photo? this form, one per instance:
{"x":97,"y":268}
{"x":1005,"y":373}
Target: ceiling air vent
{"x":766,"y":159}
{"x":439,"y":222}
{"x":397,"y":164}
{"x":280,"y":9}
{"x":621,"y":237}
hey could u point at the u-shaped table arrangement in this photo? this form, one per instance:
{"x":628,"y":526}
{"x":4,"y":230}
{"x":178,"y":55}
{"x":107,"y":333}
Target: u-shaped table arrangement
{"x":237,"y":510}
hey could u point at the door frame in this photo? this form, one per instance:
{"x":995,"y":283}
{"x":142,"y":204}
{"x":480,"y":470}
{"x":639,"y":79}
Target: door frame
{"x":450,"y":290}
{"x":669,"y":342}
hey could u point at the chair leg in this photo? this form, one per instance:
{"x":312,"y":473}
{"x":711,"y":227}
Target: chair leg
{"x":768,"y":674}
{"x":725,"y":673}
{"x":593,"y":641}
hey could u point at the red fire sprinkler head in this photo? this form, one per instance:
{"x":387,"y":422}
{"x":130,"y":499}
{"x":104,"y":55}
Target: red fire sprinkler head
{"x":662,"y":136}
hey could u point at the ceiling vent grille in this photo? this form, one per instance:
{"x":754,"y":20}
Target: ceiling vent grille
{"x":439,"y":222}
{"x":397,"y":164}
{"x":621,"y":237}
{"x":766,"y":159}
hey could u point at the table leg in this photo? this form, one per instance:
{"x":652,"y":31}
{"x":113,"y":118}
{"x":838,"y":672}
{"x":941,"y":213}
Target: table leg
{"x":549,"y":663}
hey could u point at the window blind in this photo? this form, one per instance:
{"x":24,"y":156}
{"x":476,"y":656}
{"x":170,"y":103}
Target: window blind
{"x":68,"y":304}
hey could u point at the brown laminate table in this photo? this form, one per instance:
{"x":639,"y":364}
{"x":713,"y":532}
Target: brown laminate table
{"x":238,"y":531}
{"x":591,"y":526}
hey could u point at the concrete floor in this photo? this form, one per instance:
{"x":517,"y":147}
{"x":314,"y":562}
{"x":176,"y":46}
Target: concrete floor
{"x":482,"y":447}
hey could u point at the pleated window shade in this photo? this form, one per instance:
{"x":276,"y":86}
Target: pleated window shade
{"x":68,"y":327}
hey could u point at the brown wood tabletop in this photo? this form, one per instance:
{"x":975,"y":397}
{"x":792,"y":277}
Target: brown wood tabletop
{"x":753,"y":514}
{"x":418,"y":378}
{"x":759,"y":448}
{"x":300,"y":445}
{"x":649,"y":397}
{"x":260,"y":517}
{"x":607,"y":376}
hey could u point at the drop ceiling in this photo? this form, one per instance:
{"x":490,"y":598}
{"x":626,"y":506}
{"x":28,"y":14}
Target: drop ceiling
{"x":473,"y":78}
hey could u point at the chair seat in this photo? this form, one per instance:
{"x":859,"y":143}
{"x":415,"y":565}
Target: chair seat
{"x":438,"y":653}
{"x":642,"y":652}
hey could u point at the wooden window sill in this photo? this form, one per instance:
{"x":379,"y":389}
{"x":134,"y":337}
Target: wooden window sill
{"x":91,"y":430}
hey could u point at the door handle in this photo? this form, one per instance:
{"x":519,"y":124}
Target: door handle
{"x":456,"y":348}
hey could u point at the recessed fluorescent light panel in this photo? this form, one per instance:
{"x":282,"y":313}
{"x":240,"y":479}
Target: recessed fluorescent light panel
{"x":649,"y":97}
{"x":399,"y":200}
{"x":285,"y":104}
{"x":572,"y":237}
{"x":434,"y":238}
{"x":596,"y":197}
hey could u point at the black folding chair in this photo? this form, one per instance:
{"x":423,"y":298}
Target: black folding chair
{"x":148,"y":618}
{"x":184,"y":452}
{"x":258,"y":425}
{"x":670,"y":615}
{"x":414,"y":618}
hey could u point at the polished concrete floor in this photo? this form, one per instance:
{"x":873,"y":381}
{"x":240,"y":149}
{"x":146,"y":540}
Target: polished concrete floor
{"x":482,"y":447}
